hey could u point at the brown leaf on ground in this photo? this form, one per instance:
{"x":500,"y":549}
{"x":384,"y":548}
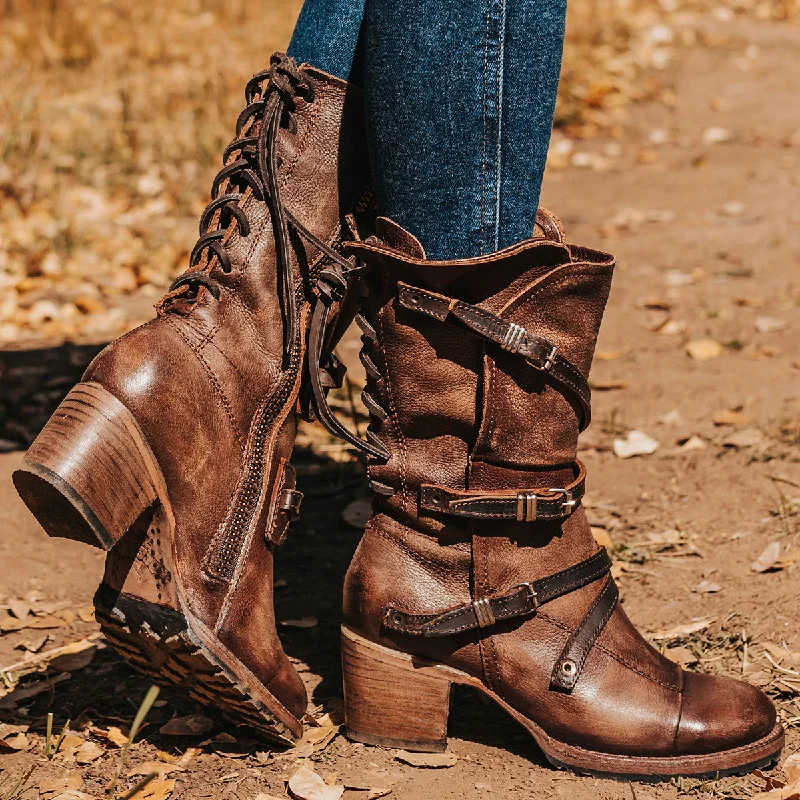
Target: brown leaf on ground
{"x":49,"y":788}
{"x":704,"y":349}
{"x":88,"y":752}
{"x":729,"y":417}
{"x":707,"y":587}
{"x":748,"y":437}
{"x":19,"y":608}
{"x":156,"y":789}
{"x":305,"y":784}
{"x":113,"y":735}
{"x":429,"y":760}
{"x":601,"y":536}
{"x":636,"y":443}
{"x":76,"y":656}
{"x":768,"y":560}
{"x":685,"y":629}
{"x":14,"y":742}
{"x":681,"y":655}
{"x":192,"y":725}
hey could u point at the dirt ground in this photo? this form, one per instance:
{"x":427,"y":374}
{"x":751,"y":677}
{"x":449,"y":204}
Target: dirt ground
{"x":707,"y":233}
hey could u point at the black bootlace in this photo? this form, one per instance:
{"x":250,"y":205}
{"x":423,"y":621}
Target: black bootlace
{"x":251,"y":168}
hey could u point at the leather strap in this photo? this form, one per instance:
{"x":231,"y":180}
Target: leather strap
{"x":522,"y":505}
{"x":521,"y":601}
{"x":570,"y":663}
{"x":539,"y":352}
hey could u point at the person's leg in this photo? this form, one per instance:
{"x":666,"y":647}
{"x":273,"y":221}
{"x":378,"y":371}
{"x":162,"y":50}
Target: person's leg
{"x":460,"y":99}
{"x":326,"y":36}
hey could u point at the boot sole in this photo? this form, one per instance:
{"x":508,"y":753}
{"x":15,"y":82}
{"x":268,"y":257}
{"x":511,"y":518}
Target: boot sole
{"x":396,"y":700}
{"x":90,"y":476}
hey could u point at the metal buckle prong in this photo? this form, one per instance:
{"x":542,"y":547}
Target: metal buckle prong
{"x":550,"y":360}
{"x":528,"y":586}
{"x":569,"y":501}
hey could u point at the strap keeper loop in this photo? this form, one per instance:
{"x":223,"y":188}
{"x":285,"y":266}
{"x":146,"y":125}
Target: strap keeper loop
{"x":526,"y":507}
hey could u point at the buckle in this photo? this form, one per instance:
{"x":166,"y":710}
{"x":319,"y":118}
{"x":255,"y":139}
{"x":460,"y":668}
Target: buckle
{"x":569,"y":502}
{"x":532,"y":594}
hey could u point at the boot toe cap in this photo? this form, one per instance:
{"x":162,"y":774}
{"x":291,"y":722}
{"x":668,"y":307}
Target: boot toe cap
{"x":719,"y":714}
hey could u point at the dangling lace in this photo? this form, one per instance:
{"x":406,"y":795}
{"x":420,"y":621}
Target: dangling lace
{"x":251,"y":162}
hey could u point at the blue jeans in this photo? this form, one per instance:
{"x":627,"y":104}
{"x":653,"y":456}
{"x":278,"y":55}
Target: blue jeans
{"x":460,"y":97}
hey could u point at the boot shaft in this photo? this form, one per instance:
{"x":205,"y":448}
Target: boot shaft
{"x":478,"y":370}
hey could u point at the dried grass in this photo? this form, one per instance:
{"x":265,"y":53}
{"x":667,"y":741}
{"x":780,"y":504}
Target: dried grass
{"x":113,"y":116}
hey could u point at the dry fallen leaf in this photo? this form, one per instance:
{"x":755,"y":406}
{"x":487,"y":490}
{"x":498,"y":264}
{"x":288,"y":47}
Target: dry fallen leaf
{"x":14,"y":742}
{"x":51,"y":787}
{"x":770,"y":324}
{"x":113,"y":735}
{"x":693,"y":443}
{"x":76,"y":656}
{"x":747,"y":437}
{"x":88,"y":752}
{"x":791,"y":768}
{"x":704,"y":349}
{"x":686,"y":629}
{"x":729,"y":417}
{"x":192,"y":725}
{"x":305,"y":784}
{"x":430,"y":760}
{"x":768,"y":559}
{"x":706,"y":587}
{"x":157,"y":789}
{"x":681,"y":655}
{"x":636,"y":443}
{"x":602,"y":537}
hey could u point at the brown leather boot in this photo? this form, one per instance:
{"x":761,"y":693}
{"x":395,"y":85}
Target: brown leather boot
{"x":478,"y":566}
{"x":174,"y":448}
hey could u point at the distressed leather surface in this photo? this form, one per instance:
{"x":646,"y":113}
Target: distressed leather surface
{"x":462,"y":413}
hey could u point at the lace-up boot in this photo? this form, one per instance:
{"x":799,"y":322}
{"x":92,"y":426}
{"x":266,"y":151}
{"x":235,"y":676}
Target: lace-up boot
{"x":478,"y":566}
{"x":173,"y":452}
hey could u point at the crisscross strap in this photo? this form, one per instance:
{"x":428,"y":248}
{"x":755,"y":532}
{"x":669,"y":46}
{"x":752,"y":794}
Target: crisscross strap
{"x":570,"y":663}
{"x":522,"y":505}
{"x":538,"y":351}
{"x":521,"y":601}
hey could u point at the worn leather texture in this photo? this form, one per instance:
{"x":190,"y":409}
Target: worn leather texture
{"x":214,"y":389}
{"x":462,"y":413}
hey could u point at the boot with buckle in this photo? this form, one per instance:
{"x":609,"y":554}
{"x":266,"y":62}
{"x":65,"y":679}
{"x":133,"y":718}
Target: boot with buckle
{"x":478,"y":566}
